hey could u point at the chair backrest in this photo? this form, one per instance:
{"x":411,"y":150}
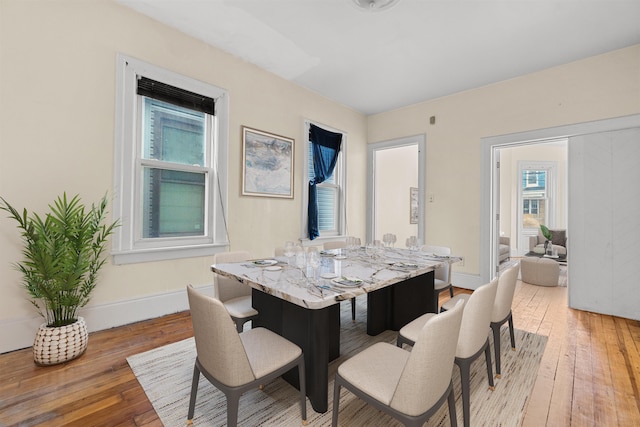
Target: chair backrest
{"x":225,"y":288}
{"x":504,"y":294}
{"x":476,"y":320}
{"x":218,"y":345}
{"x":333,"y":245}
{"x":443,"y":273}
{"x":427,"y":374}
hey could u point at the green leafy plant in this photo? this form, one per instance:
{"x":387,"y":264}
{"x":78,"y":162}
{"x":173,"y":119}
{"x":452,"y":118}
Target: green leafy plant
{"x":62,"y":255}
{"x":546,"y":232}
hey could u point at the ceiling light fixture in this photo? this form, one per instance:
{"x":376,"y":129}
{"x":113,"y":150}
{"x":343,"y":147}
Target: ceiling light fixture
{"x":374,"y":5}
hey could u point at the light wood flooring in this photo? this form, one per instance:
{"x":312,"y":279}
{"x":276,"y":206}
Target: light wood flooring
{"x":589,"y":374}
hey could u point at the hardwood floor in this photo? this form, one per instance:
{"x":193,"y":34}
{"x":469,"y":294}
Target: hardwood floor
{"x":589,"y":374}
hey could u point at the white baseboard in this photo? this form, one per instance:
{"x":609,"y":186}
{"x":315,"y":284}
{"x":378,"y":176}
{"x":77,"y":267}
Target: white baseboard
{"x":16,"y":334}
{"x":466,"y":281}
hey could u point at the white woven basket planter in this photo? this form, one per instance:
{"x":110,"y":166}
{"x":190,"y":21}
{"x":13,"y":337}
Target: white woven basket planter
{"x":60,"y":344}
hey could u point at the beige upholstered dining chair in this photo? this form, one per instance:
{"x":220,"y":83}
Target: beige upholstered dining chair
{"x":501,"y":312}
{"x":235,"y":296}
{"x":235,"y":363}
{"x":341,"y":245}
{"x":442,"y":275}
{"x":473,"y":340}
{"x":409,"y":386}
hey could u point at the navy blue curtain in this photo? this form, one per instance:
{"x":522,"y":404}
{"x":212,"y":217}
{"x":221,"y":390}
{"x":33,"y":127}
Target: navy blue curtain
{"x":325,"y":146}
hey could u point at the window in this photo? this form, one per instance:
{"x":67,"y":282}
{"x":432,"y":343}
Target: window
{"x":535,"y":195}
{"x":170,"y":167}
{"x":330,"y":193}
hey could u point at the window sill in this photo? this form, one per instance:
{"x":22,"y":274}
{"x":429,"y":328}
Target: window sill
{"x":164,"y":254}
{"x":319,"y":241}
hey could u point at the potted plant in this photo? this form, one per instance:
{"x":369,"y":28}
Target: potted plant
{"x":548,"y":246}
{"x":62,"y":255}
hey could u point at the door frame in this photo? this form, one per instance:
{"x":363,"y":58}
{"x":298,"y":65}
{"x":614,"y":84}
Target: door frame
{"x":421,"y":142}
{"x":489,"y":147}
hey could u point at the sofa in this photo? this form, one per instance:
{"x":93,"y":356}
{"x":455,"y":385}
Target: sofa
{"x":558,"y":240}
{"x":504,"y":249}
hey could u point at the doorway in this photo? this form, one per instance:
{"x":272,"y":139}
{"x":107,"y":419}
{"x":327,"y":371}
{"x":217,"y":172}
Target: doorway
{"x":533,"y":191}
{"x":395,"y":174}
{"x":490,"y":152}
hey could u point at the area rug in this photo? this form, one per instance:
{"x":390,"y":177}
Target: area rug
{"x":165,"y":375}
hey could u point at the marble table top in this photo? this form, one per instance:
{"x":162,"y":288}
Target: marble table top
{"x":358,"y":271}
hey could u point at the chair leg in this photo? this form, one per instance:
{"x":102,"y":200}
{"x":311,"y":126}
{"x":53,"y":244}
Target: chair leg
{"x":465,"y":368}
{"x":233,"y":401}
{"x":496,"y":346}
{"x":451,"y":291}
{"x":487,"y":355}
{"x":336,"y":402}
{"x":194,"y":392}
{"x":303,"y":391}
{"x":353,"y":309}
{"x":239,"y":325}
{"x":511,"y":333}
{"x":451,"y":399}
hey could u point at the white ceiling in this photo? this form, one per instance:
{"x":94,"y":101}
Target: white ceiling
{"x":415,"y":51}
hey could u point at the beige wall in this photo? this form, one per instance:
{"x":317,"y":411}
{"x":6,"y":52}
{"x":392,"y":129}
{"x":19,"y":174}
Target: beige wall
{"x":600,"y":87}
{"x":57,"y":131}
{"x":396,"y":171}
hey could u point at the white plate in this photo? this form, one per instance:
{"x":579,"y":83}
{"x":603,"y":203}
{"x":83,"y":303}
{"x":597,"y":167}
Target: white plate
{"x":351,"y":282}
{"x":273,"y":268}
{"x":265,"y":262}
{"x":341,"y":257}
{"x":328,"y":275}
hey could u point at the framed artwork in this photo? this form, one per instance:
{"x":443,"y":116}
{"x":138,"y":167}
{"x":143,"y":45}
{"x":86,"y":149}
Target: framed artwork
{"x":267,"y":164}
{"x":413,"y":205}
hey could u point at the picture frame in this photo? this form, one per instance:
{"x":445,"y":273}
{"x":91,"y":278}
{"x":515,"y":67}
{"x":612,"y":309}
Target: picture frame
{"x":413,"y":205}
{"x":267,"y":164}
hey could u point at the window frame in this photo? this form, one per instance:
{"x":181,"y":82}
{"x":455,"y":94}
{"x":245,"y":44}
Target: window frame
{"x":548,"y":198}
{"x":128,"y":246}
{"x":340,"y":185}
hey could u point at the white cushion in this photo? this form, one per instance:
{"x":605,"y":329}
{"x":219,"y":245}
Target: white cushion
{"x":267,"y":351}
{"x":439,"y":284}
{"x":453,"y":301}
{"x":412,"y":329}
{"x":376,"y":370}
{"x":240,"y":307}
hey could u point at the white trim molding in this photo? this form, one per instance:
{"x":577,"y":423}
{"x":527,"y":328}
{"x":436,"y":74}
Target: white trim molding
{"x":16,"y":334}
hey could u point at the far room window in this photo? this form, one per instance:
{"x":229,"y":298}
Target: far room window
{"x":170,"y":165}
{"x":535,"y":195}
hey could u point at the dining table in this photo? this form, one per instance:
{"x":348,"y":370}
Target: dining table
{"x":303,"y":304}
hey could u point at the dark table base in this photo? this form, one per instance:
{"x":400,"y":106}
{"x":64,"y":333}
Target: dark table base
{"x":317,"y":332}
